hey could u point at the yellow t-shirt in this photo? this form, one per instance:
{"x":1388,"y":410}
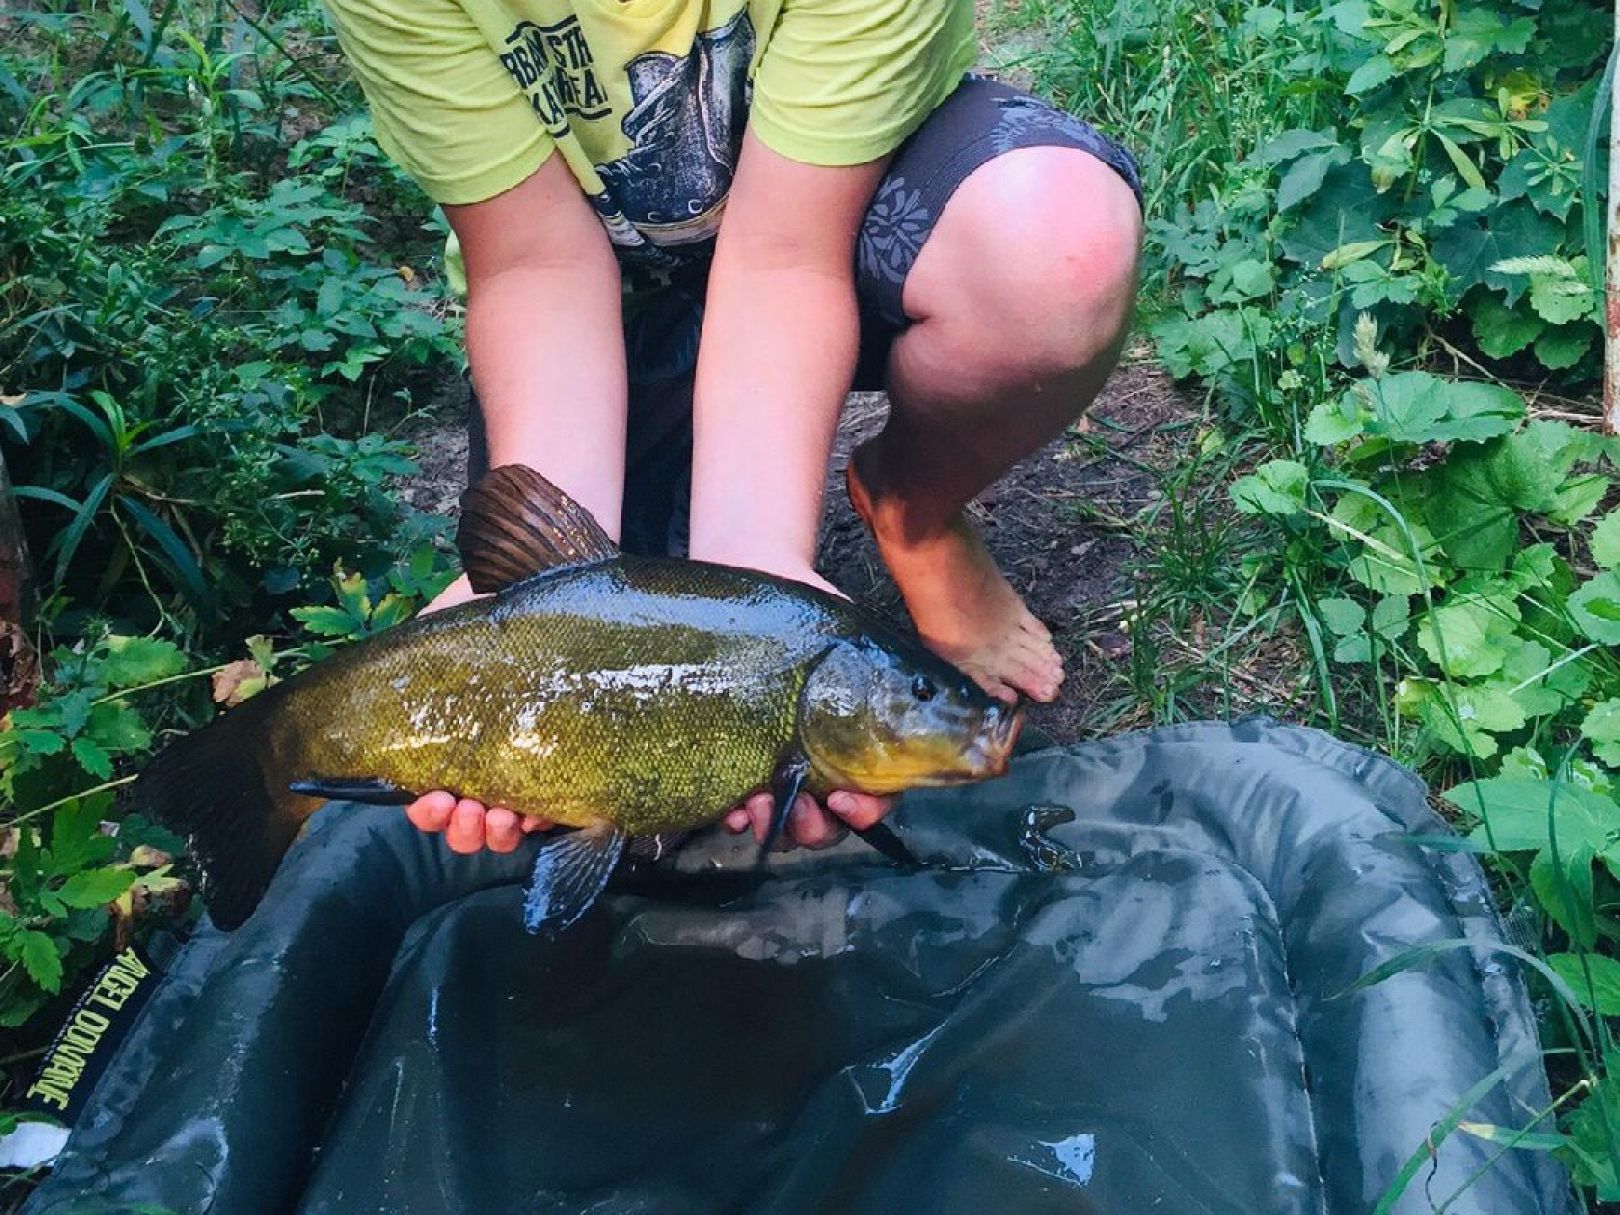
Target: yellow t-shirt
{"x":645,"y":99}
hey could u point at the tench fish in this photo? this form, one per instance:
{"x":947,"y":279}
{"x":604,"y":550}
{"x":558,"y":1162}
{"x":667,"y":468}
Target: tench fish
{"x":620,"y":696}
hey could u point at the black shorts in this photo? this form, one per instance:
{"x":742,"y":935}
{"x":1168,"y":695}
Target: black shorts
{"x":982,"y":120}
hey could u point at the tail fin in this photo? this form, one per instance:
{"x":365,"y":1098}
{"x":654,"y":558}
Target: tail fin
{"x":212,"y":787}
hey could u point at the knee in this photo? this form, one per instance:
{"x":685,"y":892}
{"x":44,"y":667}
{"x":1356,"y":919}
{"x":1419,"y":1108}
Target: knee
{"x":1045,"y":260}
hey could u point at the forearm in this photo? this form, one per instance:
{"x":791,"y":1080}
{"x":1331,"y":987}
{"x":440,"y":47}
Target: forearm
{"x":778,"y":352}
{"x":544,"y":335}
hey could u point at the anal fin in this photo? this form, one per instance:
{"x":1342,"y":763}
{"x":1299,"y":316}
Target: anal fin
{"x":569,"y":875}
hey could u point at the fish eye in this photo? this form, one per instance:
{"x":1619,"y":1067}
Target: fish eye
{"x":922,"y":688}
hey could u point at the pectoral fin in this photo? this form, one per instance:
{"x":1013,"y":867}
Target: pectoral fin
{"x":366,"y":790}
{"x":786,"y":782}
{"x":569,"y":874}
{"x":882,"y":838}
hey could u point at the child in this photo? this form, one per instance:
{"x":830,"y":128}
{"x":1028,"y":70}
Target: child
{"x":820,"y":192}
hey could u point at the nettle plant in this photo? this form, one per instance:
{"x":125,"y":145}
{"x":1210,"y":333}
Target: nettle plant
{"x":1453,"y":199}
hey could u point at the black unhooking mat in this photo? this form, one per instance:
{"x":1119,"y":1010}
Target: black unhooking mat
{"x":1140,"y":1009}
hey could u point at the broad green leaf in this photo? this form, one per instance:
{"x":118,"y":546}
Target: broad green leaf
{"x":353,"y":596}
{"x":1590,"y":1128}
{"x":1294,"y":143}
{"x":1252,"y":278}
{"x":1565,"y":892}
{"x":93,"y":888}
{"x":1304,"y":177}
{"x":1466,"y":640}
{"x":1470,"y":251}
{"x":92,"y":758}
{"x":1577,"y":498}
{"x":39,"y":958}
{"x":1467,"y":720}
{"x":1543,"y":685}
{"x":1481,"y":491}
{"x":1601,"y":727}
{"x":1334,"y":420}
{"x":1391,"y":616}
{"x":1347,"y":209}
{"x":1376,"y":71}
{"x":1562,"y":348}
{"x":1560,"y":301}
{"x":1416,"y":407}
{"x":328,"y":621}
{"x":1595,"y":608}
{"x":1384,"y":561}
{"x":1343,"y":617}
{"x":117,"y":728}
{"x":1277,"y":487}
{"x":1605,"y":541}
{"x":1478,"y":32}
{"x":1502,"y":331}
{"x":133,"y":661}
{"x":1353,"y":650}
{"x":1520,"y":812}
{"x":77,"y":841}
{"x":1600,"y":992}
{"x":1523,"y":763}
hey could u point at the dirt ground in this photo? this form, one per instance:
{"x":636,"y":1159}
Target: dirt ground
{"x":1062,"y":524}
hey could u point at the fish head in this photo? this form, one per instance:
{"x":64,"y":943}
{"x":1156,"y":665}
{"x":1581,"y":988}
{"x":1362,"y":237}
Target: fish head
{"x":879,"y":718}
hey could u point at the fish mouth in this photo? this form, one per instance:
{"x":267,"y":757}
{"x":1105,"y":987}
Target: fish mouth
{"x":991,"y":753}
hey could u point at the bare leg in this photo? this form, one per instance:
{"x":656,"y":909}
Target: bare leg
{"x":1021,"y":299}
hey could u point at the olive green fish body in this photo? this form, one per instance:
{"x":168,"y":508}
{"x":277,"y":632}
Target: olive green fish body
{"x":647,"y":694}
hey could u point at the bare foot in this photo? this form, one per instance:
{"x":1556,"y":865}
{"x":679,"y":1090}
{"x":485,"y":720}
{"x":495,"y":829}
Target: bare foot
{"x":964,"y":609}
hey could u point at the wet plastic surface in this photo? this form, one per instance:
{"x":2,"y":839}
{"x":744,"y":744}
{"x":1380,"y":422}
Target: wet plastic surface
{"x":1139,"y":1009}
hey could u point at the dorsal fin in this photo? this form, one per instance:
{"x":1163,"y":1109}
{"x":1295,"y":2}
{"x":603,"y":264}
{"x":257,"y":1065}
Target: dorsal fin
{"x":515,"y":523}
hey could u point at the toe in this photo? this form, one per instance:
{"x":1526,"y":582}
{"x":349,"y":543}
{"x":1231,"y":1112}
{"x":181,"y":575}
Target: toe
{"x":1035,"y":679}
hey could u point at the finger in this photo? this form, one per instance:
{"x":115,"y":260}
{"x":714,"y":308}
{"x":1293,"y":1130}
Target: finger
{"x":501,"y":830}
{"x":737,"y":821}
{"x":809,"y":825}
{"x":859,"y":810}
{"x":760,"y":810}
{"x":466,"y":831}
{"x":531,"y":824}
{"x":431,"y":811}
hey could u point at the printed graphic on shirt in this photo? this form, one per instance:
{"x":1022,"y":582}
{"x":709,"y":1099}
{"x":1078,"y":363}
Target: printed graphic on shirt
{"x":553,"y":66}
{"x":685,"y":132}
